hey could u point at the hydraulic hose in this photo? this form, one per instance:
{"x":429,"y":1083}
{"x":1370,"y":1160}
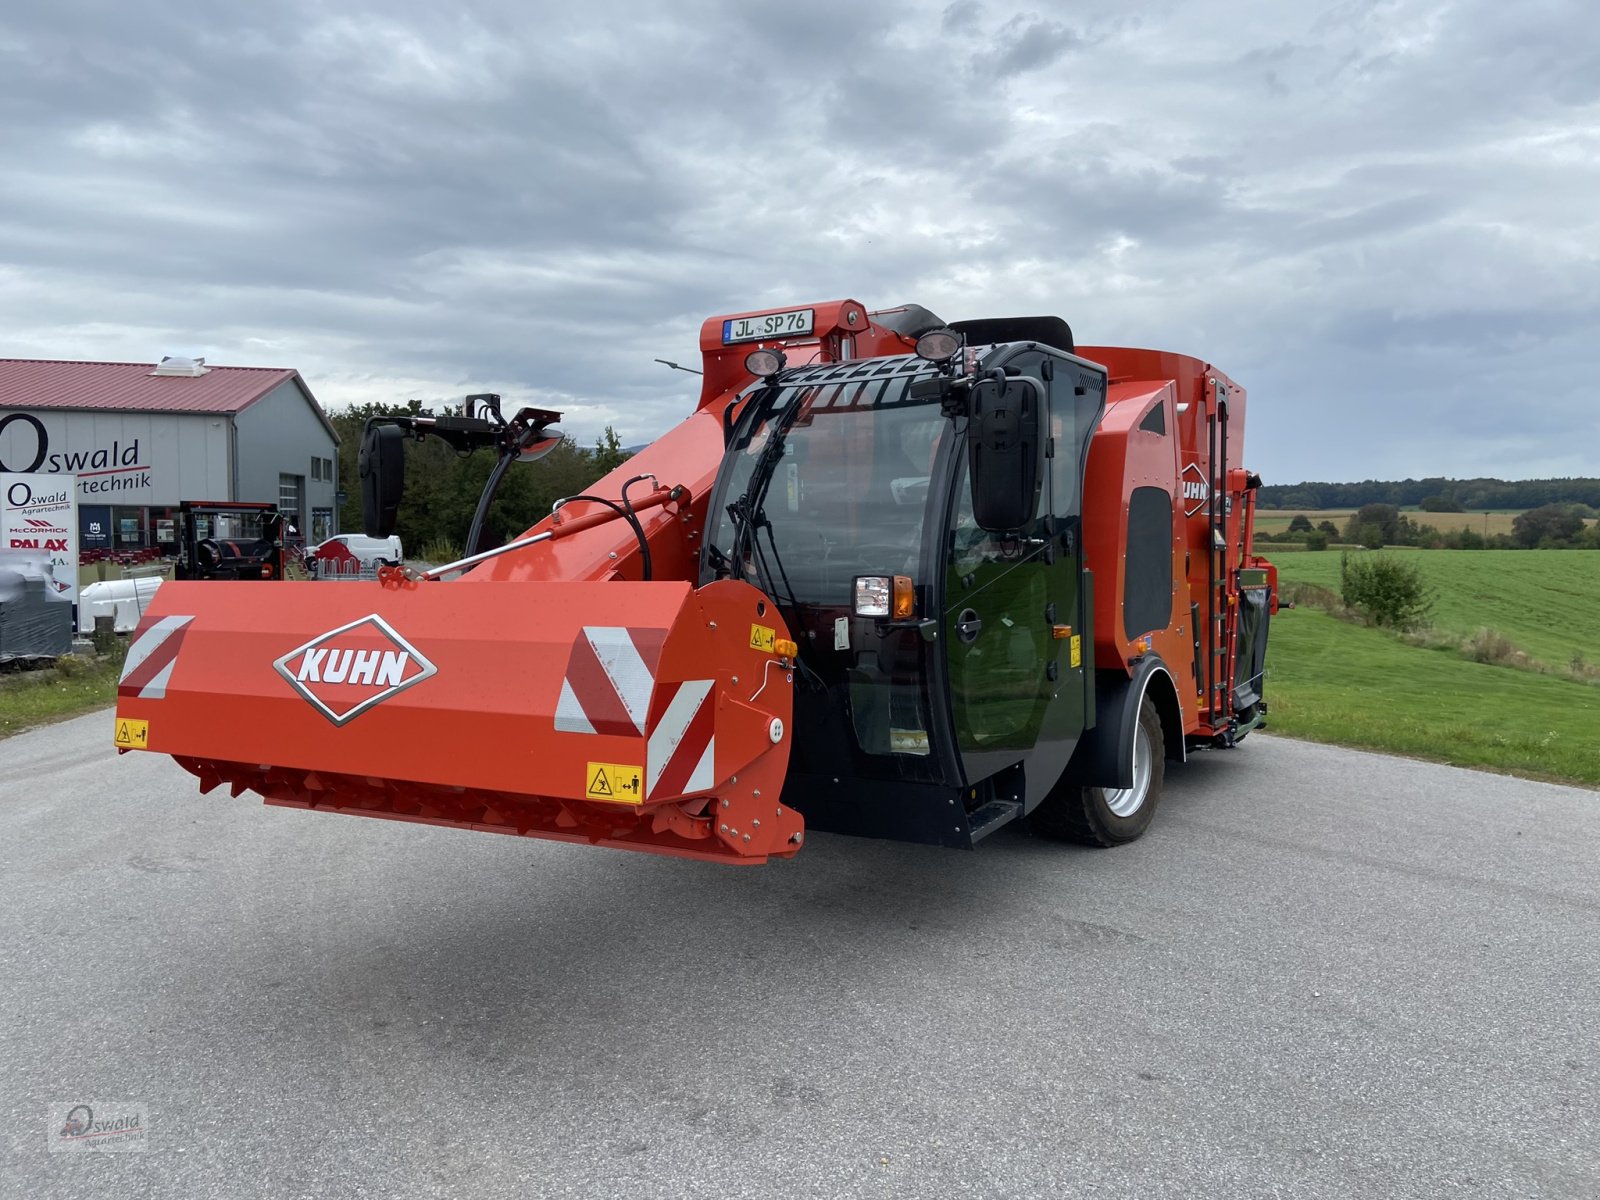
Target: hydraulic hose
{"x":628,"y":515}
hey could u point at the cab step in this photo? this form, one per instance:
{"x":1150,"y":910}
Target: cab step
{"x":984,"y":821}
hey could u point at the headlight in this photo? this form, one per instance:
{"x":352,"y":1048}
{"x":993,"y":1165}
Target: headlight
{"x":884,"y":596}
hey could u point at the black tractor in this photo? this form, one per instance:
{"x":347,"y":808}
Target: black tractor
{"x":226,"y":539}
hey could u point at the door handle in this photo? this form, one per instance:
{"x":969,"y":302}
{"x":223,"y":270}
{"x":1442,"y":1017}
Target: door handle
{"x":968,"y":626}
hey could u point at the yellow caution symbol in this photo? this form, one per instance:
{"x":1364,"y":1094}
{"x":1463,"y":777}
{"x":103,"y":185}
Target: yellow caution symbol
{"x":1077,"y":650}
{"x":763,"y":638}
{"x":619,"y":783}
{"x":131,"y":734}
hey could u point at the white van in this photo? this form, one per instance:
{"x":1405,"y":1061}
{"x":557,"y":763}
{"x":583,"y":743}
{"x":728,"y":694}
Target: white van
{"x":348,"y":553}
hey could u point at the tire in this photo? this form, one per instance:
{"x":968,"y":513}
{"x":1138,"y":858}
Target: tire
{"x":1097,"y":816}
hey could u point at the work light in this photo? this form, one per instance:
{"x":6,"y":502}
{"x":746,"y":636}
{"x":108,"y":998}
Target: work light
{"x":938,"y":345}
{"x":764,"y":363}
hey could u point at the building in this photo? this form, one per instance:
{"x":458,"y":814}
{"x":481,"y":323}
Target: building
{"x":142,"y":437}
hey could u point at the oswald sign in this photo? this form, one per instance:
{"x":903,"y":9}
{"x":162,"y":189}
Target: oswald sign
{"x":39,"y":515}
{"x":106,"y":469}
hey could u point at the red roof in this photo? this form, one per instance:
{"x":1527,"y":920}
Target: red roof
{"x":36,"y":383}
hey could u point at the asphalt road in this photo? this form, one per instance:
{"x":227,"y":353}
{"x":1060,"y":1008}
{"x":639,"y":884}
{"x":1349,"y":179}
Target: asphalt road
{"x":1322,"y":974}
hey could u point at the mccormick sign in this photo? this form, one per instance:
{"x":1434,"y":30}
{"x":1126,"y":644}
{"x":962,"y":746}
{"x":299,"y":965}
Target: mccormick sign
{"x":39,"y":515}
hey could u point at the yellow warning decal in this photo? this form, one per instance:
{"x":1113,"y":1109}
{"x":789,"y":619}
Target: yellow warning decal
{"x":762,"y":638}
{"x":1077,"y":650}
{"x":131,"y":734}
{"x":616,"y":782}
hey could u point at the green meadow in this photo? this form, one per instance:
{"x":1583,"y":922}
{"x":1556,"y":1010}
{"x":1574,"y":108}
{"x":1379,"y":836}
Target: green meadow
{"x":1545,"y":601}
{"x":1333,"y":680}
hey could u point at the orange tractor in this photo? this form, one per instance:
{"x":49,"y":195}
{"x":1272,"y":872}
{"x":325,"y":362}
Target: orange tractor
{"x":893,"y":577}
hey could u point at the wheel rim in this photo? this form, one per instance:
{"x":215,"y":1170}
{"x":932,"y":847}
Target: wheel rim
{"x":1124,"y":802}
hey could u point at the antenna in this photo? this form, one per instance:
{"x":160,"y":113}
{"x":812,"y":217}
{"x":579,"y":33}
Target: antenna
{"x":669,"y":363}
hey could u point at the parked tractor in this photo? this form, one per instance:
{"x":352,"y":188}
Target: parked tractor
{"x":229,"y":539}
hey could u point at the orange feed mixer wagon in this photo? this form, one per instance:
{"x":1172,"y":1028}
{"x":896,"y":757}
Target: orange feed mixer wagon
{"x":893,"y":577}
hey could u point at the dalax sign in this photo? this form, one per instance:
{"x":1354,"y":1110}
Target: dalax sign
{"x":39,"y":515}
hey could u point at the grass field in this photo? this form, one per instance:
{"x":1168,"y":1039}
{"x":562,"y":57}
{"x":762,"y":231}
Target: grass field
{"x":1277,"y":520}
{"x":1331,"y":681}
{"x":46,"y":694}
{"x":1546,"y":601}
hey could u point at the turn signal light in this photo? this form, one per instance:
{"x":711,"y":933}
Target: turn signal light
{"x":904,"y":599}
{"x":784,"y":648}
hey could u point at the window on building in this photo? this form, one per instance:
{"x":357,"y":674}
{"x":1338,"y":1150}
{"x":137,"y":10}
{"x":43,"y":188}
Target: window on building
{"x":327,"y":469}
{"x":316,"y":468}
{"x":130,"y":527}
{"x":290,"y":490}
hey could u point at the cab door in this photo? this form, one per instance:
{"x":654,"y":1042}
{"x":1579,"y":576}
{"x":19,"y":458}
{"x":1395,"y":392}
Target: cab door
{"x":1016,"y":614}
{"x":997,"y":643}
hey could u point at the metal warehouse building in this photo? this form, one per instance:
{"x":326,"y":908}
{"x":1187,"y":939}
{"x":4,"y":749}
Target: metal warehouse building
{"x":142,"y":437}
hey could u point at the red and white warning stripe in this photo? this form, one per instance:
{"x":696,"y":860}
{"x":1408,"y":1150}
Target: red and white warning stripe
{"x":608,"y":687}
{"x":681,"y":757}
{"x":610,"y":676}
{"x":151,"y":657}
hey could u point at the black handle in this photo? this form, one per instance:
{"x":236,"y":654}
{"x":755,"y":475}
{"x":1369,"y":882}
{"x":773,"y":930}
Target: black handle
{"x":968,"y":626}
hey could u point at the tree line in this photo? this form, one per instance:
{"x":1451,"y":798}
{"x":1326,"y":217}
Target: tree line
{"x":1434,"y":494}
{"x":1548,"y":527}
{"x":442,"y":486}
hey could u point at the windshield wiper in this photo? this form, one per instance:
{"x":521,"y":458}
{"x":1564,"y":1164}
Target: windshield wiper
{"x":748,"y":512}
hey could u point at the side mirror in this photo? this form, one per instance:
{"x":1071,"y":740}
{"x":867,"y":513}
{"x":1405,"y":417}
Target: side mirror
{"x":1005,"y":452}
{"x":382,"y":468}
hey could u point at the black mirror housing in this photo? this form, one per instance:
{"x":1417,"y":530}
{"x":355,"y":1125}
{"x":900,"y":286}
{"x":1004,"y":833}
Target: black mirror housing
{"x":1005,"y":452}
{"x":382,"y":468}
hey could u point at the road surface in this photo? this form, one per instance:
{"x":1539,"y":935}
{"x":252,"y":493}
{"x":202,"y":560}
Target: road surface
{"x":1322,"y":974}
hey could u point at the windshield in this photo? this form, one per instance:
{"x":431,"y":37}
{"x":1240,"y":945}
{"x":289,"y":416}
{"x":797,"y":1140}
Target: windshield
{"x":230,"y":526}
{"x":849,"y":489}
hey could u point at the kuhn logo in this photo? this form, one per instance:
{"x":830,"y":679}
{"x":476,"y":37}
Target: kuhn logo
{"x":348,"y":670}
{"x":1196,"y":491}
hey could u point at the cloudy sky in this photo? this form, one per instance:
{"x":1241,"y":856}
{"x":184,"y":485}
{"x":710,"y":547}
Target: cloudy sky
{"x":1382,"y":218}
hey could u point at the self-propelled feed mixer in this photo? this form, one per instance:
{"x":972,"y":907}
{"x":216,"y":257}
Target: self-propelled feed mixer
{"x":893,"y":577}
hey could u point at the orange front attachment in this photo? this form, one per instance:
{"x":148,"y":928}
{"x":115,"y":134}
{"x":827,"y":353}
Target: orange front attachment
{"x":638,"y":715}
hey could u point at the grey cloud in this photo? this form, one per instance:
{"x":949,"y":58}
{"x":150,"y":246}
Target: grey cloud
{"x":961,"y":17}
{"x":407,"y":200}
{"x":1027,"y":43}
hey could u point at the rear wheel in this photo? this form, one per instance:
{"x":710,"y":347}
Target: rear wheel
{"x":1099,"y":816}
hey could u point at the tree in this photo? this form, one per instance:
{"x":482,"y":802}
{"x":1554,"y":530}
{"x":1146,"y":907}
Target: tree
{"x":1385,"y":516}
{"x":1300,"y":523}
{"x":1552,"y":524}
{"x":442,"y":487}
{"x":608,"y":452}
{"x":1316,"y":540}
{"x":1386,"y":591}
{"x":1329,"y":528}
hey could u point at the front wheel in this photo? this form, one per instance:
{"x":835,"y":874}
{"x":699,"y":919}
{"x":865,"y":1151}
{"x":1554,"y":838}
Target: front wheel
{"x":1100,"y":816}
